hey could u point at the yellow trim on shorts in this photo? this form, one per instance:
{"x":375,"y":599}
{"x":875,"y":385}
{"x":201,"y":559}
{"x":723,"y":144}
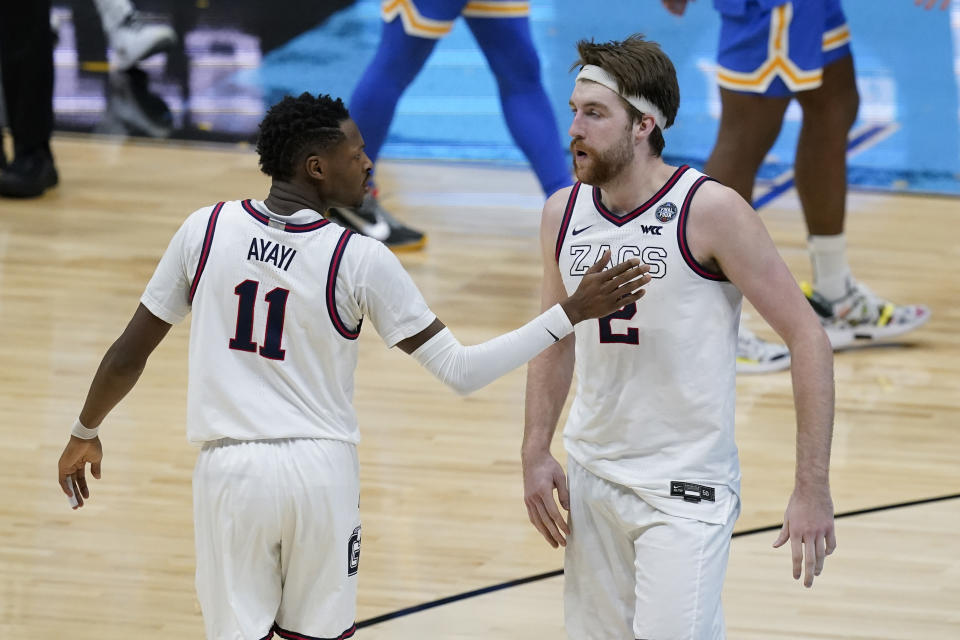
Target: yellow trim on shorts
{"x":481,"y":9}
{"x":414,"y":24}
{"x":836,"y":37}
{"x":778,"y":63}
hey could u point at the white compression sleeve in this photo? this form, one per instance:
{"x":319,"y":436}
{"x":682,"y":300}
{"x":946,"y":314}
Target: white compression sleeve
{"x":466,"y":369}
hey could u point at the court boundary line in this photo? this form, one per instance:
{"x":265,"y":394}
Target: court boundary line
{"x":400,"y":613}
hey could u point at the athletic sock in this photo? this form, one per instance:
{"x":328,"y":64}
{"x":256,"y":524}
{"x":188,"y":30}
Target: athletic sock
{"x":831,"y":273}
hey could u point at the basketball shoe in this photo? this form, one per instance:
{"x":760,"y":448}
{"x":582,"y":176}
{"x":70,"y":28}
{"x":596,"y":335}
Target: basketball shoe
{"x":756,"y":355}
{"x":135,"y":39}
{"x":370,"y":219}
{"x":862,"y":315}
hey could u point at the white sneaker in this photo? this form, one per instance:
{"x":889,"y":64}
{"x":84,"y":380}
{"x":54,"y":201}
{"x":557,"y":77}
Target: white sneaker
{"x":863,"y":315}
{"x":135,"y":40}
{"x":755,"y":355}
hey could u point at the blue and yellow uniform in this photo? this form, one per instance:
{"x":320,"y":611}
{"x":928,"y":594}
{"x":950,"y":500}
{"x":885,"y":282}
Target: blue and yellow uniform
{"x":502,"y":29}
{"x":777,"y":48}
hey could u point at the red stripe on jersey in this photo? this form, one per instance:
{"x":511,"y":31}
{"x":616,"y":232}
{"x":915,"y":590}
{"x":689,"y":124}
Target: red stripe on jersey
{"x":338,"y":324}
{"x":682,"y":235}
{"x":205,"y":251}
{"x":627,"y":217}
{"x":567,"y":214}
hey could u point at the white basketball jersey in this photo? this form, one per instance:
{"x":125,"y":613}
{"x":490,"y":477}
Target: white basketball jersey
{"x":278,"y":302}
{"x":654,"y":408}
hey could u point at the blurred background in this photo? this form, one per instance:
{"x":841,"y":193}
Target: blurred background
{"x":232,"y":58}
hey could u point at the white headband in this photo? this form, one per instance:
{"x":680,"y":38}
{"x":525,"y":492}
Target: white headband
{"x":641,"y":104}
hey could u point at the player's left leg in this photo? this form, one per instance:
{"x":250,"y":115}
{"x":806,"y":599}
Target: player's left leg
{"x":850,"y":311}
{"x":320,"y":548}
{"x":681,"y":564}
{"x":502,"y":30}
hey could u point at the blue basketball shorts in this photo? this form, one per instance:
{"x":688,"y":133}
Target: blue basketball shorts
{"x":434,"y":18}
{"x":778,"y":51}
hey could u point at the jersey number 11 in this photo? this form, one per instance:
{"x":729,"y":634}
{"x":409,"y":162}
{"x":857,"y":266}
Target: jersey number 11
{"x":243,"y":340}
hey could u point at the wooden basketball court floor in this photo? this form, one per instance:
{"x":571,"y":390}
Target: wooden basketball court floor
{"x":441,"y":486}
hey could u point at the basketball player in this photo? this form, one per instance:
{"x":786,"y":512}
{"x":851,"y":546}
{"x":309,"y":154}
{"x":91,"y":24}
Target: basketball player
{"x":278,"y":295}
{"x":411,"y":30}
{"x":771,"y":52}
{"x":654,"y":478}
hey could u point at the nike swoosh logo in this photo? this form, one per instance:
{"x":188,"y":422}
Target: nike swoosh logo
{"x":555,"y":338}
{"x":576,"y":231}
{"x":380,"y":230}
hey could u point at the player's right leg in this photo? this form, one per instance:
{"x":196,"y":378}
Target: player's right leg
{"x":599,"y":597}
{"x":502,"y":30}
{"x":411,"y":30}
{"x":237,"y":533}
{"x":749,"y":125}
{"x":753,"y":100}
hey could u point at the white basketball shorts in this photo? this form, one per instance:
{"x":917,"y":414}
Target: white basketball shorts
{"x":277,"y":527}
{"x":632,"y":571}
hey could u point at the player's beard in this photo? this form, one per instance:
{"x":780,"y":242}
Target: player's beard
{"x":604,"y":165}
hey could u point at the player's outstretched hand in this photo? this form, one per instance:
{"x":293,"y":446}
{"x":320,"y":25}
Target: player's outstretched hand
{"x":541,"y":475}
{"x":71,"y":470}
{"x":603,"y":291}
{"x":808,"y":525}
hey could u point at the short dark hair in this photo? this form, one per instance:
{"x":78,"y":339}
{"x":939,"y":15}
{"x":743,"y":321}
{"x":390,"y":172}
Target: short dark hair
{"x":640,"y":68}
{"x":295,"y":126}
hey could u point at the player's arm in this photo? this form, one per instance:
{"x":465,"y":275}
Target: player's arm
{"x":466,"y":369}
{"x":116,"y":376}
{"x":164,"y":302}
{"x":548,"y":383}
{"x":724,"y":228}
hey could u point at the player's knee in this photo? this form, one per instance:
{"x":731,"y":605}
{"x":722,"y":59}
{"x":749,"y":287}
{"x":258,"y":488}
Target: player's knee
{"x":836,"y":111}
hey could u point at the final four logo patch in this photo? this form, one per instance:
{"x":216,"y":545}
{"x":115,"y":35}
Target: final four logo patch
{"x":666,"y":212}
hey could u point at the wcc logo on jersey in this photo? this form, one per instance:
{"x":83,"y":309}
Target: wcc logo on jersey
{"x":353,"y":553}
{"x":666,"y":212}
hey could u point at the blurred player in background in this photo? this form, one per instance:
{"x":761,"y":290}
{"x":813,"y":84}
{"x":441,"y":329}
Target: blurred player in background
{"x":411,"y":30}
{"x":26,"y":67}
{"x":770,"y":53}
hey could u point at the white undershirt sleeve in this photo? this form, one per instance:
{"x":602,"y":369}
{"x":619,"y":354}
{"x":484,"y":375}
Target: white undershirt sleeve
{"x":466,"y":369}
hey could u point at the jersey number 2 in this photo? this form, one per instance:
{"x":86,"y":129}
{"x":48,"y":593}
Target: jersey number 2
{"x":243,"y":340}
{"x":607,"y":335}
